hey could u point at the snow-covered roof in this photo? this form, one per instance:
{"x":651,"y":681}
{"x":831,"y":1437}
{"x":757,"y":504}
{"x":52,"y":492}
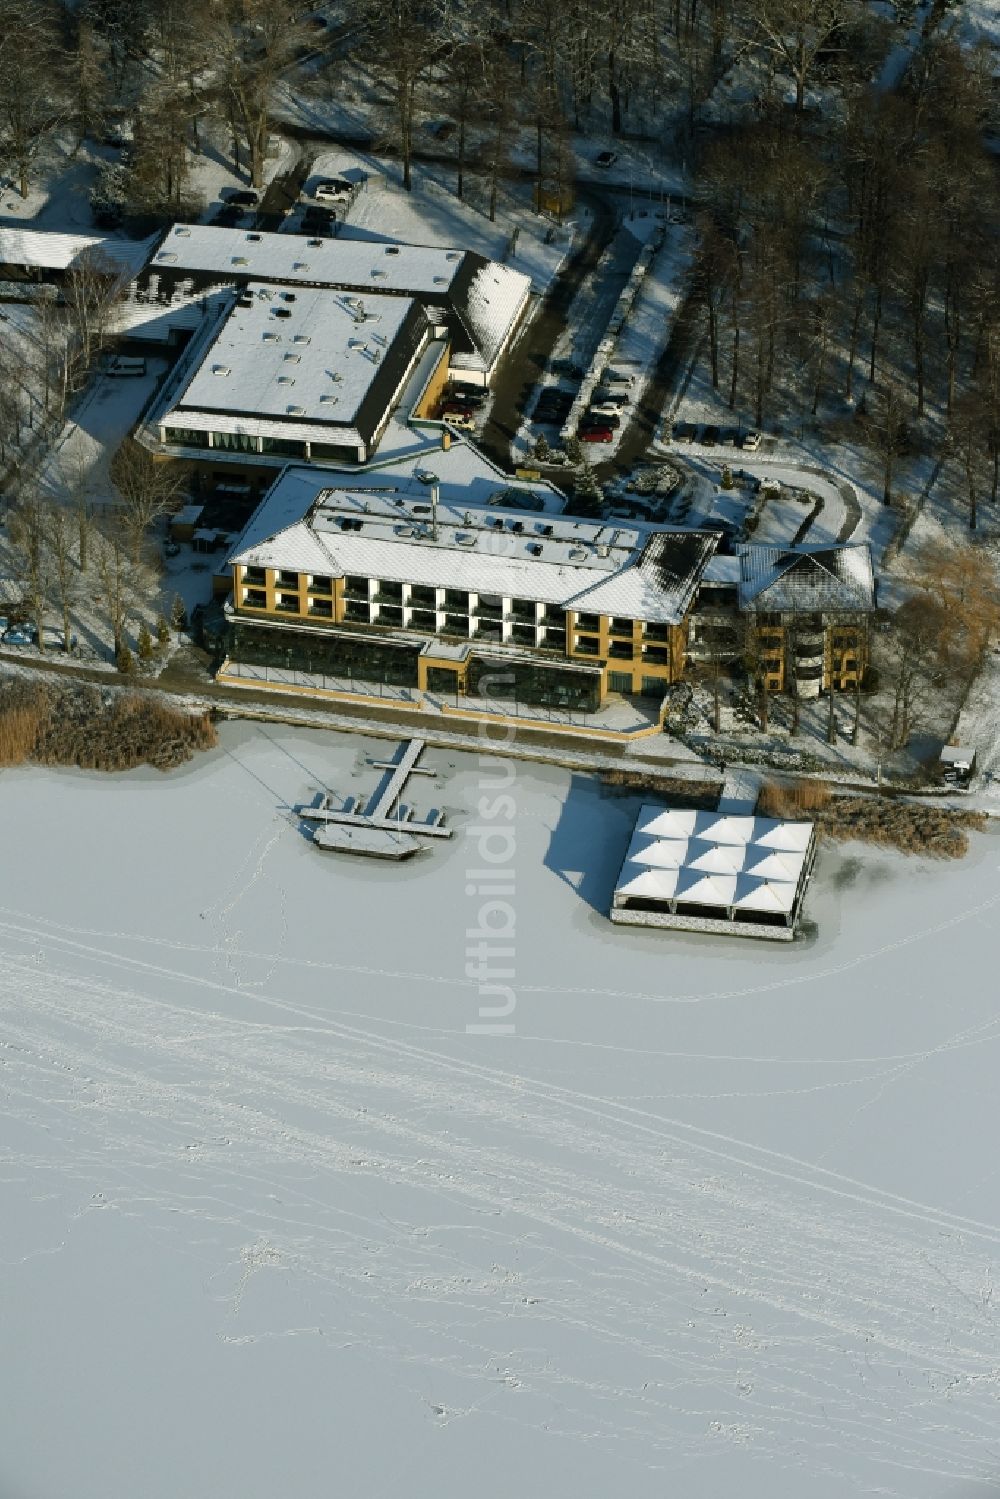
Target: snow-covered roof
{"x":635,"y":571}
{"x":807,"y":579}
{"x":369,"y":265}
{"x":47,"y":250}
{"x":708,"y":858}
{"x":489,"y":304}
{"x":304,"y":359}
{"x":485,"y":298}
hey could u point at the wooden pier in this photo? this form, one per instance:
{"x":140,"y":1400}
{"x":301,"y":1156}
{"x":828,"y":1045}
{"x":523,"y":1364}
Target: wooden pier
{"x":385,"y":828}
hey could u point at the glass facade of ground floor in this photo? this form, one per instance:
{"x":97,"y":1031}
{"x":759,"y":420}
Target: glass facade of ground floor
{"x":395,"y":662}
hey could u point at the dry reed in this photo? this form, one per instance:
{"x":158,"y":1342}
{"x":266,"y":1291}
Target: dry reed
{"x":911,"y":827}
{"x":82,"y":726}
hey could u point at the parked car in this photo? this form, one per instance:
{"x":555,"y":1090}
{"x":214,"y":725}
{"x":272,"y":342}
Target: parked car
{"x":460,"y":419}
{"x":685,"y":431}
{"x":605,"y":159}
{"x":597,"y":416}
{"x":595,"y":434}
{"x":245,"y":197}
{"x":333,"y":190}
{"x":228,"y":218}
{"x":314,"y":214}
{"x":710,"y":437}
{"x":751,"y":442}
{"x":618,"y":377}
{"x":23,"y":634}
{"x":466,"y":395}
{"x":605,"y":397}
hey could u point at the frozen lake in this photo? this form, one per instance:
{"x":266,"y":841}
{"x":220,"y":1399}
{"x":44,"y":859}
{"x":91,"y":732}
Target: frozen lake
{"x":282,"y":1213}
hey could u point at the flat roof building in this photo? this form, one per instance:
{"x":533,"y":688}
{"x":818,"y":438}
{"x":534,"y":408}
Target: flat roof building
{"x":713,"y":872}
{"x":479,"y":301}
{"x":310,"y":373}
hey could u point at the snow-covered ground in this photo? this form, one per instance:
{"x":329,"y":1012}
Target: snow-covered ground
{"x":712,"y":1218}
{"x":431,"y":214}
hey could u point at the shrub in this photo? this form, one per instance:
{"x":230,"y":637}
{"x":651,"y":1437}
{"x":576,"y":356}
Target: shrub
{"x":913,"y":828}
{"x":162,"y":631}
{"x":727,"y":477}
{"x":178,"y":613}
{"x":798,"y":800}
{"x":542,"y":449}
{"x":24,"y":708}
{"x":145,"y":645}
{"x":125,"y":661}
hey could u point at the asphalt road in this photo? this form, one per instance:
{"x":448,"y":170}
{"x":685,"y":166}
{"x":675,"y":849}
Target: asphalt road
{"x":527,"y":361}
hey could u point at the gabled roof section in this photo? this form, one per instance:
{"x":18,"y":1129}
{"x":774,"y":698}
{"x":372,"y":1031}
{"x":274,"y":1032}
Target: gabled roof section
{"x":488,"y":299}
{"x":660,"y":585}
{"x":805,"y":580}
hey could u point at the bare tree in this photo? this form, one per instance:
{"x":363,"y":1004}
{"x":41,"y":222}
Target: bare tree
{"x":969,"y":429}
{"x":248,"y":44}
{"x":885,"y":428}
{"x":31,"y":555}
{"x":32,"y":81}
{"x":795,"y":32}
{"x":463,"y":79}
{"x":93,"y":290}
{"x":60,"y":534}
{"x":124,"y":583}
{"x":958,"y":586}
{"x":907,"y":657}
{"x":499,"y":96}
{"x":148,"y":488}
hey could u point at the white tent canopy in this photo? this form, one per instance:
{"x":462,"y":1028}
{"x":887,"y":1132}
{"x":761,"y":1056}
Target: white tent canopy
{"x":681,"y":857}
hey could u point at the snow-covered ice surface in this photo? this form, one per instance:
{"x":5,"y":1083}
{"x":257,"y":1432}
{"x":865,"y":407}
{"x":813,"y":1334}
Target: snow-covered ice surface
{"x":714,"y":1219}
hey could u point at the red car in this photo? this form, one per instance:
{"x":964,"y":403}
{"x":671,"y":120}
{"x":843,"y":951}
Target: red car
{"x":595,"y":434}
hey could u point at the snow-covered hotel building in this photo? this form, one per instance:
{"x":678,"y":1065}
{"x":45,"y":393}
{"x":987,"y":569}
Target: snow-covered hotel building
{"x":373,"y":583}
{"x":810,"y":609}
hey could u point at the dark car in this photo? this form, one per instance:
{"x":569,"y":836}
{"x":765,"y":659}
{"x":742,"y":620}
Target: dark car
{"x":605,"y":159}
{"x":685,"y":431}
{"x":710,"y":436}
{"x":316,"y":215}
{"x":245,"y":198}
{"x":227,"y":218}
{"x":603,"y":419}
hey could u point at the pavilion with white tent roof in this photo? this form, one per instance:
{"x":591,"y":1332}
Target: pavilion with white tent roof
{"x":711,"y":871}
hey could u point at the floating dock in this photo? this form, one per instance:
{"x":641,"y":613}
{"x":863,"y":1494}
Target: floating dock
{"x":385,"y":828}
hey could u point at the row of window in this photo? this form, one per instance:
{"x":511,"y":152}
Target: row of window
{"x":365,"y":591}
{"x":425,"y":621}
{"x":240,"y":442}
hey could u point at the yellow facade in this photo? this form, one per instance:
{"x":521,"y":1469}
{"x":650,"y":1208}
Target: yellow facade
{"x":429,"y":402}
{"x":845,"y":656}
{"x":633,"y":657}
